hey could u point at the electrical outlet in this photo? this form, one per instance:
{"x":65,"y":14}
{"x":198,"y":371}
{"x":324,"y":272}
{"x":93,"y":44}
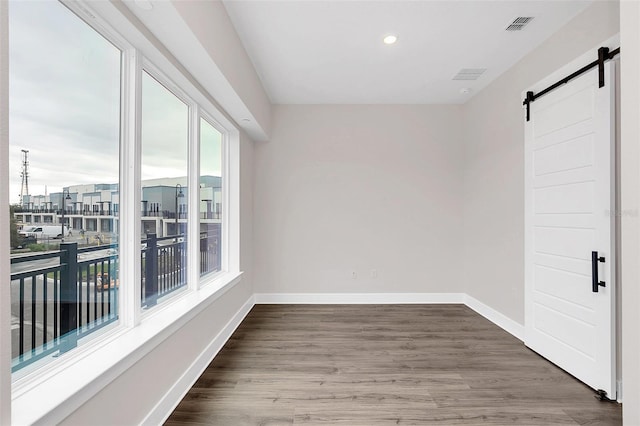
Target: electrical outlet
{"x":354,"y":275}
{"x":374,"y":273}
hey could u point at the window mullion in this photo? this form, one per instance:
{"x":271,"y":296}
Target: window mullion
{"x":193,"y":215}
{"x":130,"y":199}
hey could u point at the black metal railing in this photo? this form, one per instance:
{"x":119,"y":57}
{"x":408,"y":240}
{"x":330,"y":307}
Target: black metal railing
{"x":210,"y":215}
{"x":164,"y":214}
{"x":70,"y":212}
{"x":93,"y":213}
{"x":33,"y":210}
{"x":61,"y":296}
{"x":164,"y":267}
{"x":210,"y":255}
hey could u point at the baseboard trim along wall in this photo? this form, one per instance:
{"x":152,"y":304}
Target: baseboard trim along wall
{"x":502,"y":321}
{"x":172,"y":398}
{"x":357,"y":298}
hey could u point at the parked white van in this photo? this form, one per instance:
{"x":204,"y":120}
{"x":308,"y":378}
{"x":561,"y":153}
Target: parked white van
{"x":44,"y":231}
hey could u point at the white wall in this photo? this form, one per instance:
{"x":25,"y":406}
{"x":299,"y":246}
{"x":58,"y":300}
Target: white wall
{"x":133,"y":395}
{"x":630,"y":210}
{"x":198,"y":37}
{"x":494,"y":163}
{"x":210,"y":23}
{"x":247,"y":184}
{"x":359,"y":188}
{"x":493,"y":183}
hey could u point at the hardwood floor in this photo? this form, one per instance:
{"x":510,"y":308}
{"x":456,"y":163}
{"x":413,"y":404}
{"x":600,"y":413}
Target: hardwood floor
{"x":383,"y":365}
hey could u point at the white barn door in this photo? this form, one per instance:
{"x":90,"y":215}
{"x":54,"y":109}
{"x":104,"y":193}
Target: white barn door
{"x":569,"y":205}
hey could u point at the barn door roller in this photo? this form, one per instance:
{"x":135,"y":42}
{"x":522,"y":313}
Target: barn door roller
{"x":603,"y":56}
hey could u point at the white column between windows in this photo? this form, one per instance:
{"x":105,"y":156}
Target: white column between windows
{"x":193,"y":210}
{"x":130,"y":199}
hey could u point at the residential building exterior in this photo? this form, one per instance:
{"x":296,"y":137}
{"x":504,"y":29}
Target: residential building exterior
{"x":95,"y":207}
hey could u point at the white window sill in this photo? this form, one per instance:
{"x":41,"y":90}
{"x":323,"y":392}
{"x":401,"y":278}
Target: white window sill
{"x":63,"y":388}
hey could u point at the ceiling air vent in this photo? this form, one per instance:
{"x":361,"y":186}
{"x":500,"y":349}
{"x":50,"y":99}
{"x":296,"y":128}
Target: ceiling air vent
{"x":469,"y":74}
{"x":519,"y":23}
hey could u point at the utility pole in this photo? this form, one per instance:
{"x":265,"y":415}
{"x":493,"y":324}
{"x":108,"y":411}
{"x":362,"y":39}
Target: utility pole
{"x":24,"y":189}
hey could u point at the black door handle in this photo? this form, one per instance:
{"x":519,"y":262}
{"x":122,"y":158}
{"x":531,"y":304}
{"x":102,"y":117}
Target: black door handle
{"x":595,"y":282}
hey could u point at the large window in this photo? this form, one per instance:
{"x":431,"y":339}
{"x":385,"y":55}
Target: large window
{"x":165,"y":136}
{"x":106,"y":141}
{"x":64,"y":157}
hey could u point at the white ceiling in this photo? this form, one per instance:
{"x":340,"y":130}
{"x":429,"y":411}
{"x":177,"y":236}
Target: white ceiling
{"x":331,"y":52}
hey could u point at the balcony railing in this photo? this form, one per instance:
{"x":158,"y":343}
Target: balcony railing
{"x":91,"y":213}
{"x":70,"y":212}
{"x":61,"y":296}
{"x":164,"y":214}
{"x":34,"y":210}
{"x":164,"y":264}
{"x":210,"y":215}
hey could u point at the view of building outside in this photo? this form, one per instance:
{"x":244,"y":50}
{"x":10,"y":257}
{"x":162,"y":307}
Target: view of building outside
{"x":64,"y":130}
{"x":165,"y":142}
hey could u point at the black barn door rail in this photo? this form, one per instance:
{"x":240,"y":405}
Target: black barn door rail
{"x":603,"y":55}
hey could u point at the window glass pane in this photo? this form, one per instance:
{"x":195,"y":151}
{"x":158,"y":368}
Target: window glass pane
{"x":165,"y":133}
{"x":64,"y":169}
{"x":210,"y":198}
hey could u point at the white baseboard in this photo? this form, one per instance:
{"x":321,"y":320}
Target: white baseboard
{"x":619,"y":391}
{"x":172,"y":398}
{"x":357,"y":298}
{"x":491,"y":314}
{"x":501,"y":320}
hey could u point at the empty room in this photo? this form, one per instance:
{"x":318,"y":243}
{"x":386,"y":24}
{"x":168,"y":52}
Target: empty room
{"x":271,"y":212}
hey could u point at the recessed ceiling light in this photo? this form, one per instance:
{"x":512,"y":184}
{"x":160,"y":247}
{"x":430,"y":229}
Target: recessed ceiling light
{"x":390,"y":39}
{"x":143,"y":4}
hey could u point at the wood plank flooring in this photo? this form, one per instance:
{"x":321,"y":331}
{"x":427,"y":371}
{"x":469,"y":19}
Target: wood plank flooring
{"x":383,"y":365}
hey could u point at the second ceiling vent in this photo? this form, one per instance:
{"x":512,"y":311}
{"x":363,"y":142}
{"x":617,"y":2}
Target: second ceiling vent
{"x":519,"y":23}
{"x":469,"y":74}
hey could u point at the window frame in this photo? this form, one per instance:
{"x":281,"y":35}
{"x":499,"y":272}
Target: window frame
{"x":80,"y":374}
{"x":224,"y":167}
{"x":167,"y":83}
{"x":21,"y":383}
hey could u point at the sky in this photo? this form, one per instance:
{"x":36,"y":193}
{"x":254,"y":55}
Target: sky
{"x":64,"y":95}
